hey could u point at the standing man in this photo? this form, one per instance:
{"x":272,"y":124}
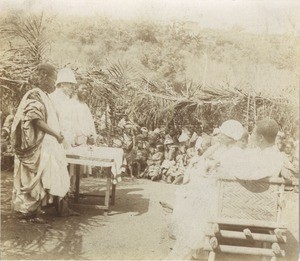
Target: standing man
{"x":61,"y":97}
{"x":83,"y":122}
{"x":40,"y":171}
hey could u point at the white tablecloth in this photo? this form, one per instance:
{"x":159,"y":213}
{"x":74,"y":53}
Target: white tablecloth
{"x":96,"y":156}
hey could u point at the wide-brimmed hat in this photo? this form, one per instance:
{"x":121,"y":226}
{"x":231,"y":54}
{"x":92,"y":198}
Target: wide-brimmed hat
{"x":168,"y":140}
{"x":232,"y":129}
{"x":65,"y":75}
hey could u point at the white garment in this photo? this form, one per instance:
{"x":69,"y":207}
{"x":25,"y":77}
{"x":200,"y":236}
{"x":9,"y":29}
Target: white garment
{"x":55,"y":174}
{"x":253,"y":164}
{"x":64,"y":108}
{"x":195,"y":204}
{"x":82,"y":119}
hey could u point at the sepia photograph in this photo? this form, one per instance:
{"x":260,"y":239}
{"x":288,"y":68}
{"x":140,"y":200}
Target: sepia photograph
{"x":149,"y":129}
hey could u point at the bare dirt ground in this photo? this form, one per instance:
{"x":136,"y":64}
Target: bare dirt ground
{"x":137,"y":227}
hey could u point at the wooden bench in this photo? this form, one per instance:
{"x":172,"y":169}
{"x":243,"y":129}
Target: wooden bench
{"x":249,"y":219}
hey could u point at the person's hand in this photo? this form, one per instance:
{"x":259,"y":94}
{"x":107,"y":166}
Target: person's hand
{"x":60,"y":138}
{"x":90,"y":140}
{"x":4,"y":135}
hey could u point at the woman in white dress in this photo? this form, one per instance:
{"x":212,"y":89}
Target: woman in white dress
{"x":196,"y":200}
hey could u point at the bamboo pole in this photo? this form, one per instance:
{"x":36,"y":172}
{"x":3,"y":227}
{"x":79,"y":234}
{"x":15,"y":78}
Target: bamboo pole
{"x":254,"y":251}
{"x":249,"y":223}
{"x":245,"y":236}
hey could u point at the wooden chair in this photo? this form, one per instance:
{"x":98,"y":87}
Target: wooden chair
{"x":248,"y":220}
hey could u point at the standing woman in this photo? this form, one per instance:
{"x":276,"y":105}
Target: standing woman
{"x":40,"y":172}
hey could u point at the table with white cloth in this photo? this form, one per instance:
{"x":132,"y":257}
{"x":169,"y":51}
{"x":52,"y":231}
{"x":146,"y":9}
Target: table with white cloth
{"x":98,"y":157}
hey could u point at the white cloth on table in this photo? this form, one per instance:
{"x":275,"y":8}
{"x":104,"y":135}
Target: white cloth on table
{"x":100,"y":153}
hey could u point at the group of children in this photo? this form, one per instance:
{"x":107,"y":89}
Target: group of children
{"x":157,"y":155}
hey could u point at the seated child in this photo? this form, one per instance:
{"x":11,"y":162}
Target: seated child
{"x":168,"y":162}
{"x":290,"y":170}
{"x":176,"y":172}
{"x":139,"y":157}
{"x":153,"y":162}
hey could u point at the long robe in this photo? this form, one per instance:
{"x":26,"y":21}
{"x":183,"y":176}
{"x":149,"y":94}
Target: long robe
{"x":40,"y":161}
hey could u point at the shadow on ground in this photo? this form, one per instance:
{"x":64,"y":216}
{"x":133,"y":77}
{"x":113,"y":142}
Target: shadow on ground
{"x":61,"y":237}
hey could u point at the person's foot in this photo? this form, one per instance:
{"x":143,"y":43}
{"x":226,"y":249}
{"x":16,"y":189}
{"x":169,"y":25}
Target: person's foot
{"x":38,"y":220}
{"x":73,"y":213}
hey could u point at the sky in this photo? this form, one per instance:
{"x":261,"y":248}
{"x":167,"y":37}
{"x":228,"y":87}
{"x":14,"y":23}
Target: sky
{"x":279,"y":16}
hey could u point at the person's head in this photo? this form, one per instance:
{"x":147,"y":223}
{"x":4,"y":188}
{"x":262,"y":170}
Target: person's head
{"x":159,"y":148}
{"x":289,"y":147}
{"x":203,"y":143}
{"x":144,"y":131}
{"x":168,"y":141}
{"x":66,"y":81}
{"x":82,"y":92}
{"x":279,"y":142}
{"x":243,"y":142}
{"x":215,"y":136}
{"x":139,"y":144}
{"x":46,"y":75}
{"x":172,"y":152}
{"x":230,"y":132}
{"x":264,"y":133}
{"x":128,"y":128}
{"x":183,"y":141}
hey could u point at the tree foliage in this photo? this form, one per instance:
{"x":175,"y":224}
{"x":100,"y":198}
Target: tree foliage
{"x":157,"y":74}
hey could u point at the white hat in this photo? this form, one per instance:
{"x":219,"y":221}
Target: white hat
{"x":216,"y":131}
{"x":232,"y":129}
{"x":183,"y":137}
{"x":194,"y":137}
{"x":168,"y":140}
{"x":198,"y":143}
{"x":65,"y":75}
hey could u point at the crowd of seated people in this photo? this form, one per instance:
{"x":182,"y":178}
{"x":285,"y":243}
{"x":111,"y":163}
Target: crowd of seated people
{"x":158,"y":155}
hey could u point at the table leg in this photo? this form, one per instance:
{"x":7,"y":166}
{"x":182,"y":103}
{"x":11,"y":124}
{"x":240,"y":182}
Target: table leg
{"x":113,"y":194}
{"x":77,"y":172}
{"x":107,"y":193}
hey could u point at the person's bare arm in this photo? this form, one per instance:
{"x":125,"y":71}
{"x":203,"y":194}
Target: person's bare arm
{"x":43,"y":126}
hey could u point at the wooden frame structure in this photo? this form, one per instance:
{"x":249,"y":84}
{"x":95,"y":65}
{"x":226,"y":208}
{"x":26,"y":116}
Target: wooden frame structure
{"x":109,"y":197}
{"x":249,"y":219}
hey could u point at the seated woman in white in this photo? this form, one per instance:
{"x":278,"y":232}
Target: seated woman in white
{"x":196,"y":201}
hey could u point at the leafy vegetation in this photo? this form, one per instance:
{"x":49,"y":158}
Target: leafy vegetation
{"x":176,"y":73}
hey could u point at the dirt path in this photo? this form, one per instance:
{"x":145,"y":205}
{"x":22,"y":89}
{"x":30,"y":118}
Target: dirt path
{"x":135,"y":229}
